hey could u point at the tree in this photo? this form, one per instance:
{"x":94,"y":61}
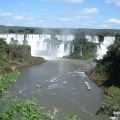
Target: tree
{"x":82,"y":48}
{"x":3,"y":47}
{"x":101,"y":38}
{"x":117,"y":36}
{"x":25,"y":42}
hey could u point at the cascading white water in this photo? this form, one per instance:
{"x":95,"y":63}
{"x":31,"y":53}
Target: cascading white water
{"x":103,"y":47}
{"x":67,"y":49}
{"x":43,"y":44}
{"x":37,"y":43}
{"x":60,"y":51}
{"x":19,"y":37}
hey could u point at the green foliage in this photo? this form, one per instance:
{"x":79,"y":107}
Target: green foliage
{"x":13,"y":51}
{"x":117,"y":36}
{"x":18,"y":109}
{"x":72,"y":117}
{"x":6,"y":79}
{"x":112,"y":94}
{"x":25,"y":42}
{"x":82,"y":48}
{"x":18,"y":51}
{"x":3,"y":47}
{"x":108,"y":69}
{"x":101,"y":73}
{"x":108,"y":108}
{"x":22,"y":31}
{"x":14,"y":54}
{"x":101,"y":38}
{"x":13,"y":108}
{"x":111,"y":62}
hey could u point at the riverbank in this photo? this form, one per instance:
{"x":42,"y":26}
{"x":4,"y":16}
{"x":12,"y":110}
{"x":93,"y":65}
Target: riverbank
{"x":111,"y":92}
{"x":9,"y":72}
{"x":7,"y":65}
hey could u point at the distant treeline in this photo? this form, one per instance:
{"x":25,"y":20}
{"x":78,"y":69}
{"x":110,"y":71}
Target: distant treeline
{"x":35,"y":30}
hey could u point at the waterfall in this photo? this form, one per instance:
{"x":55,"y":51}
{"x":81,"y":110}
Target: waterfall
{"x":59,"y":46}
{"x":60,"y":51}
{"x":102,"y":48}
{"x":43,"y":44}
{"x":67,"y":48}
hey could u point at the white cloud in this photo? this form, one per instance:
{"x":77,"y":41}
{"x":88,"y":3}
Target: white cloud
{"x":113,"y":21}
{"x":89,"y":11}
{"x":116,"y":2}
{"x":66,"y":19}
{"x":72,"y":1}
{"x":5,"y":14}
{"x":18,"y":17}
{"x":78,"y":16}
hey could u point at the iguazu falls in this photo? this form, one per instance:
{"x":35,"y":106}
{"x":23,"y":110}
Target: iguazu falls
{"x":57,"y":45}
{"x":60,"y":60}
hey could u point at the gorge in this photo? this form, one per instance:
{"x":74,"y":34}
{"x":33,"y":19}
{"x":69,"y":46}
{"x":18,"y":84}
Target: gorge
{"x":60,"y":81}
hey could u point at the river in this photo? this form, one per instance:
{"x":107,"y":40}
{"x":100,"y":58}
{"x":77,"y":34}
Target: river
{"x":61,"y":84}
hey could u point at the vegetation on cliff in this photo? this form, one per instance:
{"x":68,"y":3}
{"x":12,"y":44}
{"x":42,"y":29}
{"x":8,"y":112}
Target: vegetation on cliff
{"x":16,"y":55}
{"x":107,"y":74}
{"x":81,"y":48}
{"x":107,"y":70}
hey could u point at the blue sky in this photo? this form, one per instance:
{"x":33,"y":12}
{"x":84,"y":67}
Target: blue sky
{"x":61,"y":13}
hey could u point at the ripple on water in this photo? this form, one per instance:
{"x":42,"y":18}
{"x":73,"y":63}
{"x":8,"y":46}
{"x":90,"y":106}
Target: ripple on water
{"x":54,"y":79}
{"x":55,"y":85}
{"x":77,"y":72}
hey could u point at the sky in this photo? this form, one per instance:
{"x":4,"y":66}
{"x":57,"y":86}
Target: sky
{"x":61,"y":13}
